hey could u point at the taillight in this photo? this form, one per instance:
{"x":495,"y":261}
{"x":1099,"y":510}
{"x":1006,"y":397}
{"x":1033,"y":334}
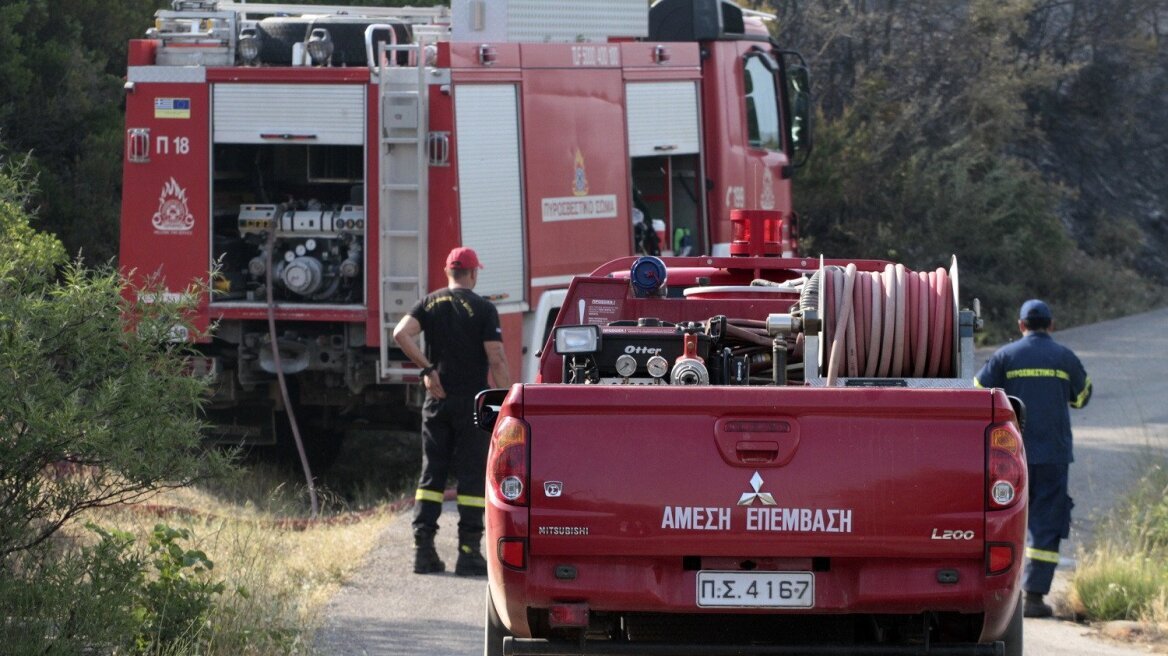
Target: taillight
{"x":1005,"y":467}
{"x":999,"y":557}
{"x":513,"y":552}
{"x":507,"y":466}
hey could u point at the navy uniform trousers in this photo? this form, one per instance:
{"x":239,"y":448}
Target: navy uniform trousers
{"x":1049,"y":523}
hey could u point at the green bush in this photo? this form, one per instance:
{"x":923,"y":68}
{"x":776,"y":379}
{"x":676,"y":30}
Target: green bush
{"x":97,"y":404}
{"x":1114,"y":585}
{"x":110,"y":597}
{"x":62,"y":600}
{"x":1126,"y":575}
{"x":1148,"y":512}
{"x":97,"y":409}
{"x":175,"y":604}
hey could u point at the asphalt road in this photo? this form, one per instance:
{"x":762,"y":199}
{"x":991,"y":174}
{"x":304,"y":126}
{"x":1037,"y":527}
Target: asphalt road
{"x":392,"y":611}
{"x":389,"y":610}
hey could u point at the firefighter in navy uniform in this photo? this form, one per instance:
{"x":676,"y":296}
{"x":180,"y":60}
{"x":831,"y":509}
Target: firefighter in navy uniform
{"x":1049,"y":378}
{"x":463,"y":343}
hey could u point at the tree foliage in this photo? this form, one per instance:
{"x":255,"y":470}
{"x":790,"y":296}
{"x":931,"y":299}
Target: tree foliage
{"x":92,"y":412}
{"x":967,"y":125}
{"x":943,"y":128}
{"x":62,"y":66}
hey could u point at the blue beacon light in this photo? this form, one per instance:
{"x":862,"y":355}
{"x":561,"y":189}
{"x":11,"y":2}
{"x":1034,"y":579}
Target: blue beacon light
{"x":648,"y":275}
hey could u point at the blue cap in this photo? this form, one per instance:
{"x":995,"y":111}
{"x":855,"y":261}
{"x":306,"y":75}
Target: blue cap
{"x":1034,"y":309}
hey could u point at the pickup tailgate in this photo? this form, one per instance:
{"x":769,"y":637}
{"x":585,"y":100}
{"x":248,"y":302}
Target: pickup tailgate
{"x":733,"y":471}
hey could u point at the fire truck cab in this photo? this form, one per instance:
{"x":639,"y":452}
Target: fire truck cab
{"x":312,"y":165}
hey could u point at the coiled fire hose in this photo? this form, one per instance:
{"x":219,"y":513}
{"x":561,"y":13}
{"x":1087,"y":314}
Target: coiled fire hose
{"x":890,"y":324}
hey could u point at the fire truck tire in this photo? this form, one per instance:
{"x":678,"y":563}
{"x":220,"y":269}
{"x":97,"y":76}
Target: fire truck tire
{"x":348,"y":36}
{"x":493,"y":631}
{"x":1013,"y":635}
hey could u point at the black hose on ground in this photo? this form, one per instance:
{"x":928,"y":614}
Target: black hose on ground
{"x":276,"y":218}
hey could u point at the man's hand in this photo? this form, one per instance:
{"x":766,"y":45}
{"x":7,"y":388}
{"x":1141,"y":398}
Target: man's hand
{"x":433,"y":384}
{"x":405,"y":334}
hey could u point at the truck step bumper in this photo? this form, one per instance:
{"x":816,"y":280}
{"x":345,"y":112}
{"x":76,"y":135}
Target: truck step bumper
{"x":515,"y":646}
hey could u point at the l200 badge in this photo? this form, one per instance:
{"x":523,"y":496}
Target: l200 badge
{"x":553,"y":488}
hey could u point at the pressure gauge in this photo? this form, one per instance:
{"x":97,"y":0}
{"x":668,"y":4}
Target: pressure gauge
{"x":626,"y":365}
{"x":658,"y":366}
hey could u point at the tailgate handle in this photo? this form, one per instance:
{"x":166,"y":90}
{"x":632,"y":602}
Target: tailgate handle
{"x":756,"y":451}
{"x":763,"y":441}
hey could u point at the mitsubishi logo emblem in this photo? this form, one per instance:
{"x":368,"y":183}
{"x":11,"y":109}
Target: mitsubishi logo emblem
{"x":748,"y":498}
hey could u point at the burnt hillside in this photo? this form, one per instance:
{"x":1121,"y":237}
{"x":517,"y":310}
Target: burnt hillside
{"x":1029,"y":137}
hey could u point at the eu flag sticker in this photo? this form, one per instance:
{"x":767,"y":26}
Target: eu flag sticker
{"x":172,"y":108}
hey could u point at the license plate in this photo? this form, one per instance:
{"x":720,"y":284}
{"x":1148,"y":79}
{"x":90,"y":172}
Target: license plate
{"x":738,"y":589}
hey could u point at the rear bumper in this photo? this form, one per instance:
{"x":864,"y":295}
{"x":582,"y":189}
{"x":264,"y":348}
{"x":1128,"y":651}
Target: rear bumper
{"x":514,"y":646}
{"x":851,"y":586}
{"x":899,"y":584}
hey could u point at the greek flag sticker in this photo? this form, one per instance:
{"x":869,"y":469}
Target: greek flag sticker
{"x":172,"y":108}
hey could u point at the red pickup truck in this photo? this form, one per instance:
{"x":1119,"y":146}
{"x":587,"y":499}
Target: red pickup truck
{"x":755,"y":455}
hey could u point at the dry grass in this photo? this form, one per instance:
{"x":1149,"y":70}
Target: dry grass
{"x":1116,"y":584}
{"x":1125,"y":575}
{"x":279,"y":572}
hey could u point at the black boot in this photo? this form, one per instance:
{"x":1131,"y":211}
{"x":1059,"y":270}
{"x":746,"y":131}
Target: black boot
{"x":470,"y":559}
{"x":1033,"y":606}
{"x":426,"y":560}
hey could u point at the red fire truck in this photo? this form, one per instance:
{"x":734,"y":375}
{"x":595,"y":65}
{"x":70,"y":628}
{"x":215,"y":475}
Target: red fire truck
{"x":313,"y":165}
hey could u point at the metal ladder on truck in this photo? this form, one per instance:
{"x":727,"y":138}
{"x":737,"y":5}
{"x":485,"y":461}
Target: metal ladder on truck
{"x":404,"y":166}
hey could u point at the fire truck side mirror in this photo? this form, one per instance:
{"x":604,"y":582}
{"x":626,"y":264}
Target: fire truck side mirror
{"x":799,"y":88}
{"x":1019,"y":411}
{"x":799,"y":108}
{"x":486,"y":408}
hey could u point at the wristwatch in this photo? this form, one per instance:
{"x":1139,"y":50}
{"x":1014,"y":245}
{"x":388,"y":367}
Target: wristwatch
{"x":426,"y":371}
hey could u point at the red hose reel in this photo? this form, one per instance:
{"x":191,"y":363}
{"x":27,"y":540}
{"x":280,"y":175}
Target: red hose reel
{"x":893,"y":323}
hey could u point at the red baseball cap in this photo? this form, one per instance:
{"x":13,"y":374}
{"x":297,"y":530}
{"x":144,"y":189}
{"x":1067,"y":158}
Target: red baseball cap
{"x":463,"y":258}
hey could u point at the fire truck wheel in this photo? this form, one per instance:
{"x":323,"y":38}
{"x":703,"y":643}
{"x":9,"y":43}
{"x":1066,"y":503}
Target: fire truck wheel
{"x":494,"y":631}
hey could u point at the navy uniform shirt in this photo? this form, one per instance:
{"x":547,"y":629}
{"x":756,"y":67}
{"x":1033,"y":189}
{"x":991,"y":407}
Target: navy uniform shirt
{"x":1049,"y":379}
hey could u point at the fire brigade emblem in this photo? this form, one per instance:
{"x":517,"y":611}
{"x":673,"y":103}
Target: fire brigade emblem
{"x":553,"y":488}
{"x":173,"y":214}
{"x":766,"y":200}
{"x":580,"y":180}
{"x":748,"y":498}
